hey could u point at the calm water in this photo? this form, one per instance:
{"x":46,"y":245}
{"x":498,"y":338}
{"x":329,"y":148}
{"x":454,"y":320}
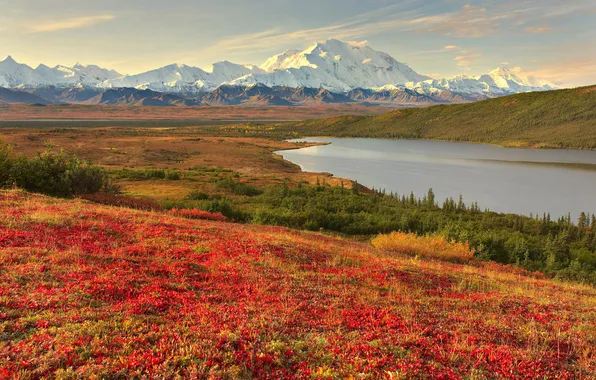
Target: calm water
{"x":521,"y":181}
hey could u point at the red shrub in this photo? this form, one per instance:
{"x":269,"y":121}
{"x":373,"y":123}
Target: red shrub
{"x":198,"y":214}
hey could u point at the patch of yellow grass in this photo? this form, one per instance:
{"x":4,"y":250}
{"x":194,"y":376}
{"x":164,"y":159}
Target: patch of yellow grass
{"x":50,"y":218}
{"x":436,"y":247}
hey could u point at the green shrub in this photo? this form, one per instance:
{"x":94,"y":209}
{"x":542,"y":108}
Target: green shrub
{"x":238,"y":188}
{"x":5,"y":163}
{"x":54,"y":173}
{"x":173,"y":176}
{"x":141,"y":174}
{"x":197,"y":196}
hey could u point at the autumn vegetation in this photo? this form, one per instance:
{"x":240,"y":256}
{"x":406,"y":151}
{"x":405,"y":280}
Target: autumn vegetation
{"x":166,"y":264}
{"x":425,"y":246}
{"x":94,"y":291}
{"x":155,"y":169}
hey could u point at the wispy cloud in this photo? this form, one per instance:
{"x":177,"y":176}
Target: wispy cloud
{"x":538,"y":29}
{"x":70,"y":23}
{"x":569,"y":72}
{"x":470,"y":21}
{"x":465,"y":59}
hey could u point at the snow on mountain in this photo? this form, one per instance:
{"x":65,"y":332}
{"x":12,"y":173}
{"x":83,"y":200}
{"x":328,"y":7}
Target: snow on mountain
{"x":174,"y":77}
{"x":76,"y":74}
{"x":305,"y":77}
{"x":14,"y":74}
{"x":225,"y":71}
{"x":278,"y":61}
{"x":514,"y":80}
{"x":183,"y":78}
{"x":499,"y":82}
{"x":334,"y":65}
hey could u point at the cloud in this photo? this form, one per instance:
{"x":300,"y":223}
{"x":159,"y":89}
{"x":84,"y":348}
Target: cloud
{"x":538,"y":29}
{"x":569,"y":72}
{"x":466,"y":58}
{"x":70,"y":23}
{"x":470,"y":21}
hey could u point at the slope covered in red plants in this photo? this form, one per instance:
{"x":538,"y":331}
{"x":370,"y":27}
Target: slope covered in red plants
{"x":88,"y":290}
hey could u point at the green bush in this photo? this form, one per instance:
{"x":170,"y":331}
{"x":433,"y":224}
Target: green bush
{"x":197,"y":196}
{"x":54,"y":173}
{"x":142,"y":174}
{"x":173,"y":176}
{"x":5,"y":163}
{"x":238,"y":188}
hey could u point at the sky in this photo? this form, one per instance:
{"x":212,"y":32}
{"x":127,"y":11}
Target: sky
{"x":552,"y":39}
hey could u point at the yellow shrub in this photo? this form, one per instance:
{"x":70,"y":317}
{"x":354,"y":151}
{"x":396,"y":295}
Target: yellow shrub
{"x":436,"y":247}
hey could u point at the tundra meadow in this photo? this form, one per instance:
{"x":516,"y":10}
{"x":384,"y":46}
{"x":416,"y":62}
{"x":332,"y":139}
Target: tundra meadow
{"x":94,"y":291}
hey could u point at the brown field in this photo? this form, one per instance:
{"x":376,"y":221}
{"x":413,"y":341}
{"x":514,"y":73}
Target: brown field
{"x":250,"y":160}
{"x":68,"y":113}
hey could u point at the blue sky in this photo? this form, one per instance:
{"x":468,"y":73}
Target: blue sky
{"x":550,"y":38}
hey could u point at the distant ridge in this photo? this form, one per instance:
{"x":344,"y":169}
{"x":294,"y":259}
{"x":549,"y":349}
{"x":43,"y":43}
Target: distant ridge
{"x":16,"y":97}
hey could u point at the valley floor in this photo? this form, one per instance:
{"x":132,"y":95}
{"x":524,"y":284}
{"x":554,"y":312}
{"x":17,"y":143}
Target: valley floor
{"x":88,"y":290}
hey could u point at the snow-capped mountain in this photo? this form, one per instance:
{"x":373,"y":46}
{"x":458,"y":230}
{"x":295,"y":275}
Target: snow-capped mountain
{"x":335,"y":66}
{"x":185,"y":79}
{"x":90,"y":75}
{"x":499,"y":82}
{"x":13,"y":74}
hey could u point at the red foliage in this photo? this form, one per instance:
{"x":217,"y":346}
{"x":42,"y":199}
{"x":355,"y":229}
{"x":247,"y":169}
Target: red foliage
{"x":198,"y":214}
{"x":113,"y":293}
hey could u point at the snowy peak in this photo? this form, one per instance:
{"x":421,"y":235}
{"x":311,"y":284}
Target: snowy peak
{"x":334,"y":65}
{"x":277,"y":62}
{"x":498,"y":82}
{"x":515,"y":78}
{"x":187,"y":79}
{"x":226,"y":71}
{"x":15,"y":74}
{"x":7,"y":60}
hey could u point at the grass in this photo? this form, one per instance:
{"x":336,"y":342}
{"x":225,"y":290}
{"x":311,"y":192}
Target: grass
{"x":425,"y":246}
{"x":121,"y":293}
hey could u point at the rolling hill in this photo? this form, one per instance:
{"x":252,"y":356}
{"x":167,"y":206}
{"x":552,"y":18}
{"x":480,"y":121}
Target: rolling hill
{"x":107,"y":292}
{"x":558,"y":119}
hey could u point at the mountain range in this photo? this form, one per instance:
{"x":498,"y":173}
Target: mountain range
{"x":326,"y":72}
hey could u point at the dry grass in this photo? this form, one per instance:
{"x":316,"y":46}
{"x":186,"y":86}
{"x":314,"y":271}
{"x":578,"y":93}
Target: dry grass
{"x":434,"y":247}
{"x":198,"y":114}
{"x":174,"y":148}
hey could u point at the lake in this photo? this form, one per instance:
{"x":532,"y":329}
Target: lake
{"x":508,"y":180}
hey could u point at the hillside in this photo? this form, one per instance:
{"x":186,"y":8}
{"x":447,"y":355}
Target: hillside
{"x":18,"y":97}
{"x":560,"y":119}
{"x":89,"y":290}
